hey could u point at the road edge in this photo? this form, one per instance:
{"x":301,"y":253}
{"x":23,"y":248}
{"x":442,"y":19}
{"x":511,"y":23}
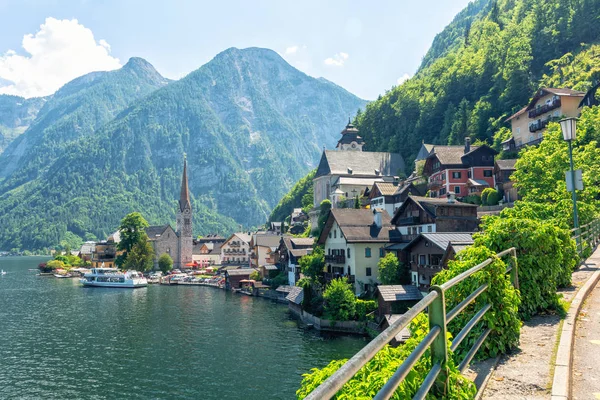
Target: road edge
{"x":561,"y":385}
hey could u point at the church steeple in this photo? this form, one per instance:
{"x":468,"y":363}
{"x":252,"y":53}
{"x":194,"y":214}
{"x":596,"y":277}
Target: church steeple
{"x":184,"y":197}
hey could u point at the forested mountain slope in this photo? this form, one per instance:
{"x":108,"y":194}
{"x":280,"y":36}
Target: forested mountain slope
{"x":496,"y":58}
{"x":249,"y":123}
{"x":16,"y":114}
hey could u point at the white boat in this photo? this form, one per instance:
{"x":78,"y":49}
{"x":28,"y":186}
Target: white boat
{"x":3,"y":272}
{"x":112,"y":277}
{"x":62,"y":275}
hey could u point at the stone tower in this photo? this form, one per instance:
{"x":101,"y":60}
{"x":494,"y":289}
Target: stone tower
{"x":184,"y":222}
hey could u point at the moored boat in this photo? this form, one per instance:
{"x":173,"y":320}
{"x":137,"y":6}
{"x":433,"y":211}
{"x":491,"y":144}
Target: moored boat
{"x":113,"y":278}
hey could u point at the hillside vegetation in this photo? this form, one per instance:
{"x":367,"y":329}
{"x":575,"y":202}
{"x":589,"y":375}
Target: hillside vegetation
{"x":483,"y":67}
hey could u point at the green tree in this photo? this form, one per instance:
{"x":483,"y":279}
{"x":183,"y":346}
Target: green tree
{"x":55,"y":264}
{"x":356,"y":202}
{"x":340,"y":302}
{"x":165,"y":263}
{"x":312,"y":265}
{"x":255,"y":276}
{"x":389,"y":269}
{"x":132,"y":231}
{"x":324,"y":209}
{"x":140,"y":257}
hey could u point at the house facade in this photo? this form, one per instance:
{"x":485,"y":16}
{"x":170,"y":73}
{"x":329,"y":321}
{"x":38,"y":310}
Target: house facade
{"x":291,"y":250}
{"x":429,"y":254}
{"x":389,"y":196}
{"x":547,"y":105}
{"x":503,"y":169}
{"x":429,"y":215}
{"x":354,"y":241}
{"x":460,"y":170}
{"x":261,"y":247}
{"x":105,"y":252}
{"x":236,"y":250}
{"x":207,"y":254}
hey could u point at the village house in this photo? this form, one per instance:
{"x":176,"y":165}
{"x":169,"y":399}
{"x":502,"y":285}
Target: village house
{"x":298,"y":221}
{"x":426,"y":215}
{"x":503,"y":169}
{"x":348,"y":171}
{"x":547,"y":105}
{"x":262,"y":244}
{"x":236,"y":250}
{"x":429,"y":253}
{"x":234,"y":277}
{"x":86,"y":250}
{"x":291,"y":250}
{"x":206,"y":254}
{"x":460,"y":170}
{"x":105,"y":252}
{"x":354,"y":242}
{"x":177,"y":244}
{"x":389,"y":196}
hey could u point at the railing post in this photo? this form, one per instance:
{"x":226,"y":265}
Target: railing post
{"x":439,"y":347}
{"x":514,"y":271}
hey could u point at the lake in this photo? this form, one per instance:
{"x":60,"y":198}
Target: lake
{"x":59,"y":340}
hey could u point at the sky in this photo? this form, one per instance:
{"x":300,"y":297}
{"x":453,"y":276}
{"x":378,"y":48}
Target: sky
{"x":364,"y":46}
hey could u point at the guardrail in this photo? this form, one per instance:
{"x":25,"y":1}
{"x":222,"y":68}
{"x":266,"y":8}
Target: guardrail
{"x":436,"y":338}
{"x":589,"y":233}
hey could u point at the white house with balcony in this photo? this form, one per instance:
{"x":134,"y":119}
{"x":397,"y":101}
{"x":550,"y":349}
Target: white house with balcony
{"x":354,"y":241}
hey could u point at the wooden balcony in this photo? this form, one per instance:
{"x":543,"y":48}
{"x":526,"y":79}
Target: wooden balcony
{"x":408,"y":221}
{"x":556,"y":103}
{"x":339,"y":259}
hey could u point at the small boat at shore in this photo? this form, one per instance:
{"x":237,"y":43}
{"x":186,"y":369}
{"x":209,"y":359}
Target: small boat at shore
{"x":2,"y":272}
{"x":113,"y":278}
{"x":62,"y":275}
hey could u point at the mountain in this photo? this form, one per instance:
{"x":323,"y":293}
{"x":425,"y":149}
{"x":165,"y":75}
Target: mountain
{"x":75,"y":111}
{"x":16,"y":114}
{"x":249,"y":123}
{"x":482,"y":68}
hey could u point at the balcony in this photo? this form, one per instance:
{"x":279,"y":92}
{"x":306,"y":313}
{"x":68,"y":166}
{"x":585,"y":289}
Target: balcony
{"x":339,"y":259}
{"x":331,"y":276}
{"x":544,"y":108}
{"x":434,"y":184}
{"x":408,"y":221}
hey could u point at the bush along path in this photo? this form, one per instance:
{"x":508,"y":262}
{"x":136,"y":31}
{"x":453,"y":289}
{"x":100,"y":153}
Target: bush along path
{"x":529,"y":371}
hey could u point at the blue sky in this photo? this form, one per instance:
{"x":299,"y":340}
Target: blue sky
{"x":364,"y":46}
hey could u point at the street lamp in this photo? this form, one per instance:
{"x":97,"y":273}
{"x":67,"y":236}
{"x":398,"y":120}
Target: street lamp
{"x":569,"y":131}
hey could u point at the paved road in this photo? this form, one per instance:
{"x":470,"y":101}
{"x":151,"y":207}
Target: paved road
{"x":586,"y":355}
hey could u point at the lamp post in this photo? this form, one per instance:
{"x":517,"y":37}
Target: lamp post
{"x":569,"y":131}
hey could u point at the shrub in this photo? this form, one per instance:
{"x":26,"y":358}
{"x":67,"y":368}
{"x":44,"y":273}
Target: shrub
{"x":340,"y":302}
{"x":502,"y":318}
{"x":389,"y":269}
{"x":55,"y":264}
{"x":472,"y":199}
{"x":546,"y":258}
{"x":254,"y":276}
{"x":490,"y":197}
{"x":367,"y":382}
{"x":364,"y":307}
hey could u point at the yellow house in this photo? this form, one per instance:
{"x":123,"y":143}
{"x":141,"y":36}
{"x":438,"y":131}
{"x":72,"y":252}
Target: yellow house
{"x":354,"y":241}
{"x":548,"y":104}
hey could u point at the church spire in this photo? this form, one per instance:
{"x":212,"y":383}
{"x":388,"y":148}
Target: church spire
{"x":184,"y":197}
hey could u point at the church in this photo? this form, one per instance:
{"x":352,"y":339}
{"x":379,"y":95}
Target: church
{"x":176,"y":243}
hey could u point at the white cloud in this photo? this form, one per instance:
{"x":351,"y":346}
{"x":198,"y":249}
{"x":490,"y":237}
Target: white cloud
{"x":337,"y":60}
{"x":403,"y":79}
{"x":58,"y":52}
{"x":291,"y":50}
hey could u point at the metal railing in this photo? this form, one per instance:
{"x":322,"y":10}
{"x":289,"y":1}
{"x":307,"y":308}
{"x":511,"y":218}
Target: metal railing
{"x":588,"y":233}
{"x":436,"y":338}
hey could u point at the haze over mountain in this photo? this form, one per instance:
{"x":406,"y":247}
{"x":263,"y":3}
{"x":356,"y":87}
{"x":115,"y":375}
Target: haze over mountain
{"x":109,"y":143}
{"x":16,"y":113}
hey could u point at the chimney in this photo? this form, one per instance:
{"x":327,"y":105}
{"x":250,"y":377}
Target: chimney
{"x":451,"y":199}
{"x":467,"y":145}
{"x":377,"y":218}
{"x":396,"y":180}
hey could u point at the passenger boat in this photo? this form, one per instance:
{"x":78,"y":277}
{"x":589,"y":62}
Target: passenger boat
{"x":112,"y":277}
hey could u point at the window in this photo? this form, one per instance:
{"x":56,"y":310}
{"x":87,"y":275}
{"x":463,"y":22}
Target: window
{"x":422,"y":259}
{"x":469,"y":174}
{"x":334,"y":233}
{"x":329,"y":234}
{"x":420,"y":229}
{"x":518,"y":130}
{"x":443,"y":176}
{"x":381,"y":252}
{"x":487,"y":173}
{"x":368,"y":252}
{"x":456,"y":175}
{"x":348,"y":254}
{"x":457,"y":189}
{"x":442,"y":191}
{"x":368,"y":272}
{"x":428,"y":228}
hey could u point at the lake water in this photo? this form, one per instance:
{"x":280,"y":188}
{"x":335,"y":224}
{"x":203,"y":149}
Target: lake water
{"x":59,"y":340}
